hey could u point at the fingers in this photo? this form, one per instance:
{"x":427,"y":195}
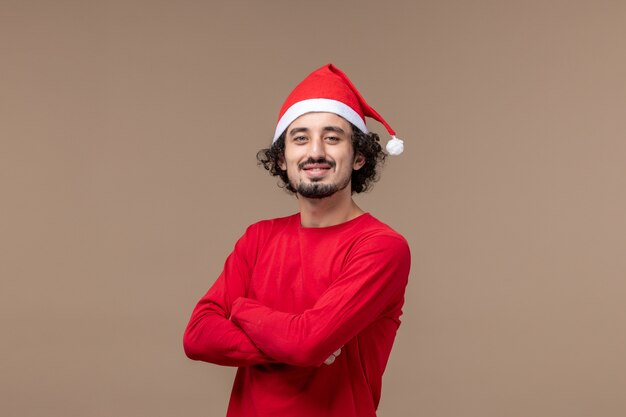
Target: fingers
{"x":332,"y":357}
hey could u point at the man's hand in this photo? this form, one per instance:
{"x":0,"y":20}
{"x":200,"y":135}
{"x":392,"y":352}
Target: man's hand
{"x":332,"y":357}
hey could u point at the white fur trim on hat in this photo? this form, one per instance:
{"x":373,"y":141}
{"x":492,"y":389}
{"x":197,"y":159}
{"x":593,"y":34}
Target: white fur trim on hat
{"x":318,"y":105}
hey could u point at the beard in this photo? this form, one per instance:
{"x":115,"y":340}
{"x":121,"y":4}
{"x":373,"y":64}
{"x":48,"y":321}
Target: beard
{"x":319,"y":190}
{"x":316,"y":190}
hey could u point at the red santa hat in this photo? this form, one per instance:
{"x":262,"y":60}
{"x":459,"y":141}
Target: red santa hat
{"x":328,"y":89}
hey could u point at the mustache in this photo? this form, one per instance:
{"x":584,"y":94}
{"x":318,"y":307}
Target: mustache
{"x":302,"y":164}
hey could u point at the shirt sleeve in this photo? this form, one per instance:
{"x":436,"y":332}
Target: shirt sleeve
{"x":371,"y":284}
{"x":210,"y":335}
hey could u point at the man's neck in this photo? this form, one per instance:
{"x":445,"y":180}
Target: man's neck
{"x":336,"y":209}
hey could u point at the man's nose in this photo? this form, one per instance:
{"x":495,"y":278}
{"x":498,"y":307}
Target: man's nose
{"x":317,"y":149}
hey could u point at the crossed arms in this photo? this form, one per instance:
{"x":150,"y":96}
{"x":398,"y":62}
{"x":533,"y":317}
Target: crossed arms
{"x":227,"y":328}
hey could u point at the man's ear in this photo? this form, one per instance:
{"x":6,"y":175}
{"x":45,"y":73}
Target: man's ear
{"x":359,"y":161}
{"x":281,"y":163}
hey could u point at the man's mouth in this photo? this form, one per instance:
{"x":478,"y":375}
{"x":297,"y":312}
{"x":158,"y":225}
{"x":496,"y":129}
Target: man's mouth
{"x":320,"y":164}
{"x":317,"y":170}
{"x":316,"y":167}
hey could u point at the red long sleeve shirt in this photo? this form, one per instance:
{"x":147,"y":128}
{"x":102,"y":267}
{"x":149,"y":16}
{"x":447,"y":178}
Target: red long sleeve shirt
{"x":290,"y":296}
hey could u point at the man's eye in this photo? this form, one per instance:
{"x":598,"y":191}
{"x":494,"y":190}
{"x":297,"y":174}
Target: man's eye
{"x":332,"y":139}
{"x":299,"y":139}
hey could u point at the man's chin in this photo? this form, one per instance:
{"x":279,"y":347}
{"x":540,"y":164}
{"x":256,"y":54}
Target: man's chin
{"x":316,"y":190}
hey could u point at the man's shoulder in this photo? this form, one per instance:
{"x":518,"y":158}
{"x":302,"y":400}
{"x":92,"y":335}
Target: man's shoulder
{"x":378,"y":240}
{"x":260,"y":232}
{"x":375,"y":227}
{"x":271,"y":225}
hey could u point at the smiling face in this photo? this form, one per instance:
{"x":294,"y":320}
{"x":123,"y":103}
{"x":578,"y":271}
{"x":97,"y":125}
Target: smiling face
{"x":319,"y":157}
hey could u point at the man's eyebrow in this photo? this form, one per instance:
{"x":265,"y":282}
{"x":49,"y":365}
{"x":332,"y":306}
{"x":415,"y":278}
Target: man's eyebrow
{"x":298,"y":130}
{"x":335,"y":129}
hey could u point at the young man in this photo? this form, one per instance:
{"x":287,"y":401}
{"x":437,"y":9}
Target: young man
{"x":308,"y":306}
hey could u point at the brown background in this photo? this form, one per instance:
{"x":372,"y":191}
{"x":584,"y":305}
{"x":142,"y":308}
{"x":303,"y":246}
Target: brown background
{"x":128,"y":134}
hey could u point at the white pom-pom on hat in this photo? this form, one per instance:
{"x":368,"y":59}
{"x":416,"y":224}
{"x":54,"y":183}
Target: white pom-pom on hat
{"x":395,"y":146}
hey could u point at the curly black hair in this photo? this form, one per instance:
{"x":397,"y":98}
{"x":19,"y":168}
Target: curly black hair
{"x":366,"y":144}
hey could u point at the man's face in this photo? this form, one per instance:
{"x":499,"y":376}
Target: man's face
{"x":319,"y":157}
